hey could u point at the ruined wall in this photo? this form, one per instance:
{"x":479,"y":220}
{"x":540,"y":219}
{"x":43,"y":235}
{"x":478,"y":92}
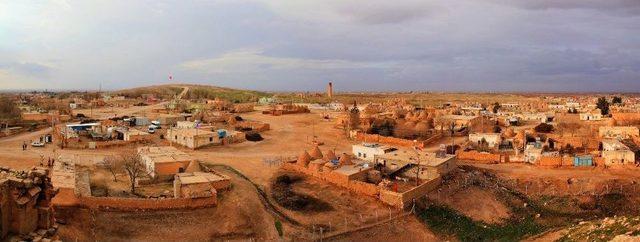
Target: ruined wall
{"x":25,"y":201}
{"x":137,"y":204}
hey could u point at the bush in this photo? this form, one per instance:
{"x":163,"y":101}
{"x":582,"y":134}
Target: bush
{"x":544,"y":128}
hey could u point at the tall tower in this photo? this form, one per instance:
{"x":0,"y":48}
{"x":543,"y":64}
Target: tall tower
{"x":330,"y":90}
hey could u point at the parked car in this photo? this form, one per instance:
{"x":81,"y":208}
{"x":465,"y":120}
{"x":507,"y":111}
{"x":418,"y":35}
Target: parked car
{"x":37,"y":144}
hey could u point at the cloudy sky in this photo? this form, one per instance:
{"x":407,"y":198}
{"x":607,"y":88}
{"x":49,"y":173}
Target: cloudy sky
{"x":360,"y":45}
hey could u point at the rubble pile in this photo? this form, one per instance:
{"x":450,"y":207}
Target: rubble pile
{"x":25,"y":204}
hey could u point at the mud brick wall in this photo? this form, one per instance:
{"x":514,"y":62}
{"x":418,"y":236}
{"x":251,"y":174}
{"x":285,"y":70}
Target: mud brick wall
{"x":398,"y":199}
{"x":391,"y":140}
{"x":337,"y":179}
{"x":478,"y":157}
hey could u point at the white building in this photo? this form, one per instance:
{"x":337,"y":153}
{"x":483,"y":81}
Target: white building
{"x":594,"y":115}
{"x":367,"y":151}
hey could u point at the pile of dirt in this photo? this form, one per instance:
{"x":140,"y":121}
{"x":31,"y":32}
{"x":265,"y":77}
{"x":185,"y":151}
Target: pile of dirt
{"x":282,"y":192}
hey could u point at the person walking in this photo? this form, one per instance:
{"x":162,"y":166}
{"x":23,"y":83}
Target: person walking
{"x":24,"y":145}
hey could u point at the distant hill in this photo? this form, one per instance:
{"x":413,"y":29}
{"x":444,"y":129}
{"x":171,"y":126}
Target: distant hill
{"x":195,"y":92}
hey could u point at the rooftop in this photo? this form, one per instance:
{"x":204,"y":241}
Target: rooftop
{"x":191,"y":132}
{"x":199,"y":177}
{"x":164,"y":154}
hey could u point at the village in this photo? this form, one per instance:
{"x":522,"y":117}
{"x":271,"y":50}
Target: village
{"x":309,"y":166}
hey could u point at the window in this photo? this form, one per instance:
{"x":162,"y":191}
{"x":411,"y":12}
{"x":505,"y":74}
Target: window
{"x":210,"y":139}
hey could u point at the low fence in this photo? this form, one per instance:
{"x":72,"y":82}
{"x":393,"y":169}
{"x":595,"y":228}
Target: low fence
{"x":138,"y":204}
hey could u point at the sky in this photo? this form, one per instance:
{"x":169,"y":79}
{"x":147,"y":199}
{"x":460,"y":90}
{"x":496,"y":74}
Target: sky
{"x":301,"y":45}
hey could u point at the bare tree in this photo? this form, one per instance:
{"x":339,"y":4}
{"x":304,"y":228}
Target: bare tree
{"x":9,"y":111}
{"x":133,"y":165}
{"x":113,"y":165}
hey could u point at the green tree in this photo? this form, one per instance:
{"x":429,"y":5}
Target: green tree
{"x":603,"y":105}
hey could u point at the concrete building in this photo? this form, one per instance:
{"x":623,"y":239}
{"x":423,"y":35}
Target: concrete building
{"x":620,"y":132}
{"x":192,"y":138}
{"x":367,"y":151}
{"x":164,"y":162}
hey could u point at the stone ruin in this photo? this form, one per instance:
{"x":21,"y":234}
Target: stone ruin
{"x":25,"y":204}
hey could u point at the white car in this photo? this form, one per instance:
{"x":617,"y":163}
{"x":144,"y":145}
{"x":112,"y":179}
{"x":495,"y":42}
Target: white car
{"x":37,"y":144}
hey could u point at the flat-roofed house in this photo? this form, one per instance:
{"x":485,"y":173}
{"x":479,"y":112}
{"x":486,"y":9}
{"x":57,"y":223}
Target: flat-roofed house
{"x":192,"y":137}
{"x":615,"y":152}
{"x":367,"y":151}
{"x":431,"y":164}
{"x":165,"y":161}
{"x":593,"y":115}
